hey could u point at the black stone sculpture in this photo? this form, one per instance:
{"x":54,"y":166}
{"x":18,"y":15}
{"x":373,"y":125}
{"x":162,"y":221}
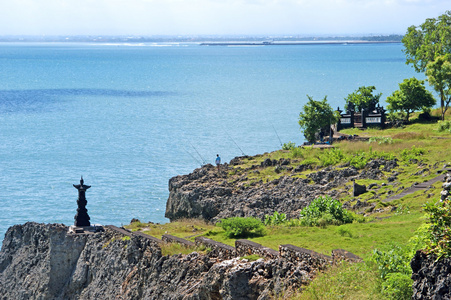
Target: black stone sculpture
{"x":82,"y":217}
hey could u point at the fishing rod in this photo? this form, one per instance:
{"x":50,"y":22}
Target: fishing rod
{"x":203,"y":160}
{"x":277,"y":135}
{"x":200,"y":163}
{"x":235,"y":144}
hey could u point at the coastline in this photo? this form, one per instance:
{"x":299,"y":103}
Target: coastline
{"x":296,"y":43}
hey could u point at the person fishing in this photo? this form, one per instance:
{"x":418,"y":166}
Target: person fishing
{"x":218,"y":161}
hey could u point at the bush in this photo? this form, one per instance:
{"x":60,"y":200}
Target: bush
{"x":276,"y":219}
{"x":395,"y":260}
{"x":331,"y":157}
{"x":412,"y":153}
{"x":394,"y":265}
{"x":288,"y":146}
{"x":394,"y":270}
{"x":439,"y":228}
{"x":361,"y":158}
{"x":444,"y":126}
{"x":397,"y":286}
{"x":325,"y":211}
{"x":242,"y":227}
{"x":297,"y":152}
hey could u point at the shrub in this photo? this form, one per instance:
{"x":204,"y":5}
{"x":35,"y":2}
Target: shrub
{"x":361,"y":158}
{"x":397,"y":286}
{"x":444,"y":126}
{"x":330,"y":157}
{"x":439,"y":228}
{"x":394,"y":270}
{"x":276,"y":219}
{"x":395,"y":260}
{"x":341,"y":230}
{"x":412,"y":153}
{"x":394,"y":265}
{"x":297,"y":152}
{"x":242,"y":227}
{"x":325,"y":211}
{"x":288,"y":146}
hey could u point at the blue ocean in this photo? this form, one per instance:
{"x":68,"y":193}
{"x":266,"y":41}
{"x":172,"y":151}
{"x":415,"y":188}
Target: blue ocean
{"x":128,"y":117}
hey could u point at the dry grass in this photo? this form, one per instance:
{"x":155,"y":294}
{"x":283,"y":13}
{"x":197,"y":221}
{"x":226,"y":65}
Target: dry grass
{"x":185,"y":228}
{"x":354,"y":147}
{"x":410,"y":135}
{"x":176,"y":248}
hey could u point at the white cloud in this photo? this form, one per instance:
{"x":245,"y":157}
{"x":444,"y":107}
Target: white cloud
{"x":214,"y":16}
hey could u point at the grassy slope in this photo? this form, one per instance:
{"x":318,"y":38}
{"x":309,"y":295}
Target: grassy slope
{"x":385,"y":227}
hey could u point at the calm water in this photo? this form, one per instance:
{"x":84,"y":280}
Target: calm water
{"x":128,"y":118}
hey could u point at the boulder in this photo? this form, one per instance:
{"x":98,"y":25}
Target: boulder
{"x":358,"y":189}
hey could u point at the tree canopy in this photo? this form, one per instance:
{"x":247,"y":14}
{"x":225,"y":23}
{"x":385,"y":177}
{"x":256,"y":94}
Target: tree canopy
{"x":411,"y":96}
{"x":424,"y":45}
{"x":438,"y":73}
{"x":362,"y":98}
{"x":315,"y":116}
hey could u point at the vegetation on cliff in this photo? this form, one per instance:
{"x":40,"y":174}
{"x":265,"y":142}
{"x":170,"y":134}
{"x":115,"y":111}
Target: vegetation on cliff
{"x":420,"y":151}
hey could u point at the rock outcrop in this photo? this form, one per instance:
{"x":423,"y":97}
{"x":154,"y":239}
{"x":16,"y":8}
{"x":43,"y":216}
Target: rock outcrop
{"x":40,"y":261}
{"x":432,"y":277}
{"x":209,"y":195}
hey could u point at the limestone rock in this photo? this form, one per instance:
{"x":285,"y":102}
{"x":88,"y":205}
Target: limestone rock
{"x":40,"y":261}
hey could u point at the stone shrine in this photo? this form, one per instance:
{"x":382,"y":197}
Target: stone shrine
{"x":82,"y":217}
{"x":82,"y":224}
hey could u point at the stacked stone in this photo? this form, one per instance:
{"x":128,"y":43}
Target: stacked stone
{"x":446,"y":187}
{"x":217,"y":249}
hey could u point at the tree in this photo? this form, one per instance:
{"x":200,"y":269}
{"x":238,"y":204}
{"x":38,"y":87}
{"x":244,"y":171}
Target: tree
{"x":362,"y":98}
{"x":411,"y":96}
{"x":425,"y":44}
{"x":315,"y":116}
{"x":438,"y":73}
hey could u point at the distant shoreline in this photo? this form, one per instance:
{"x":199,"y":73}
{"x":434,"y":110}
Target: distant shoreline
{"x":296,"y":43}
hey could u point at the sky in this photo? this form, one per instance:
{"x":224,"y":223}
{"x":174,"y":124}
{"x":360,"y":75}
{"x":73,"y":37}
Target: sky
{"x":215,"y":17}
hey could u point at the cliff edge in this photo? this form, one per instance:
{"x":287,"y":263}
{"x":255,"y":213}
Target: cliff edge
{"x":40,"y":261}
{"x":238,"y":190}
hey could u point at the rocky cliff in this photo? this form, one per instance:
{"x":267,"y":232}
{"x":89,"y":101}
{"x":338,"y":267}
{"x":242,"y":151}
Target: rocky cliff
{"x":211,"y":195}
{"x":40,"y":261}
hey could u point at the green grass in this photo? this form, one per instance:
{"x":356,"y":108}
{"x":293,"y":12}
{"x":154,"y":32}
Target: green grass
{"x":345,"y":281}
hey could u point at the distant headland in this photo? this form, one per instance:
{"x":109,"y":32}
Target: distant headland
{"x":204,"y":39}
{"x":293,"y":43}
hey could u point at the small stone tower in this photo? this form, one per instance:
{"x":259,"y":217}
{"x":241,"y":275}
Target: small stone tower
{"x":82,"y":217}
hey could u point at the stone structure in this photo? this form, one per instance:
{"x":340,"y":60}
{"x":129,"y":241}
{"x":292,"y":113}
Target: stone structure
{"x":340,"y":255}
{"x":363,"y":119}
{"x":307,"y":258}
{"x":217,"y":249}
{"x":358,"y":189}
{"x":246,"y":247}
{"x":82,"y":217}
{"x":173,"y":239}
